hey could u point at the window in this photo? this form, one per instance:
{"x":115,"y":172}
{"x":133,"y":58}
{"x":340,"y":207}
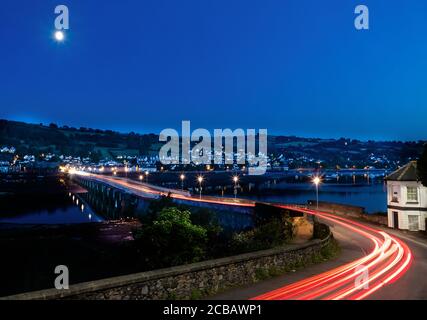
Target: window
{"x":412,"y":194}
{"x":395,"y":193}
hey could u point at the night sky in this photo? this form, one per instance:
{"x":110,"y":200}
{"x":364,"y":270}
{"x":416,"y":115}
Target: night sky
{"x":295,"y":67}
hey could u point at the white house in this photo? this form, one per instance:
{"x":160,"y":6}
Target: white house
{"x":406,"y":199}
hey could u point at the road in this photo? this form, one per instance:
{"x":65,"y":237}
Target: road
{"x":376,"y":263}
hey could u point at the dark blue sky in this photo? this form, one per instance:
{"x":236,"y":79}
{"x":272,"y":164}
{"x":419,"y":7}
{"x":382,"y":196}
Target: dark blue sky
{"x":291,"y":66}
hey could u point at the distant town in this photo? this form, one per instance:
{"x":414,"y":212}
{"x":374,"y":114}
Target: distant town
{"x":26,"y":147}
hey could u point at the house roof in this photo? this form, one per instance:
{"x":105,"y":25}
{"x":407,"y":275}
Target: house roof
{"x":406,"y":173}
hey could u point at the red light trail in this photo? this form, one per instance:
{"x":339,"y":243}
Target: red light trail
{"x":388,"y":260}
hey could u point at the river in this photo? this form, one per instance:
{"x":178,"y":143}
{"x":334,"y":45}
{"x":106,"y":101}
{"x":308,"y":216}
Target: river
{"x":69,"y":208}
{"x":373,"y":197}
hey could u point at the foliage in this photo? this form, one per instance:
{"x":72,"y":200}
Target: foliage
{"x":84,"y":142}
{"x":171,"y":239}
{"x":196,"y":294}
{"x":331,"y":250}
{"x":422,"y":167}
{"x":172,"y":235}
{"x":320,"y":230}
{"x":272,"y":234}
{"x":262,"y":274}
{"x":156,"y":207}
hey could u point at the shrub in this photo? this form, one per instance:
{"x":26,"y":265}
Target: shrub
{"x":171,"y":239}
{"x":261,"y":274}
{"x":269,"y":235}
{"x":320,"y":230}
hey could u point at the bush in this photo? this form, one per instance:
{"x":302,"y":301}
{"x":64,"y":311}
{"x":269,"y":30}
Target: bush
{"x":171,"y":239}
{"x":272,"y":234}
{"x":320,"y":230}
{"x":217,"y":239}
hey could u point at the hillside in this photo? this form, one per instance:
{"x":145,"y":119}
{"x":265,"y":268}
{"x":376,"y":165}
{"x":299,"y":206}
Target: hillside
{"x":36,"y":139}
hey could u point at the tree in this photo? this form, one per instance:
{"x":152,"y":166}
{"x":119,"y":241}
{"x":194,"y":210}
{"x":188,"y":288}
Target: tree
{"x":171,"y":239}
{"x":422,"y":166}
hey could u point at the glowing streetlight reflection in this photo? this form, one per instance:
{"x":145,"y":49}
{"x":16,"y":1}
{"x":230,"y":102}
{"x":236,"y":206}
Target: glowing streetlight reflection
{"x":316,"y":181}
{"x":182,"y":177}
{"x":235,"y":180}
{"x":200,"y":180}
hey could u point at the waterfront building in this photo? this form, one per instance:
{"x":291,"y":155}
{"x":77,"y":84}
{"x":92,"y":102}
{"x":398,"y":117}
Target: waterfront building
{"x":406,"y":199}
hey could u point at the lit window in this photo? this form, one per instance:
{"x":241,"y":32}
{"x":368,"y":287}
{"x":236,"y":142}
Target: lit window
{"x":412,"y":194}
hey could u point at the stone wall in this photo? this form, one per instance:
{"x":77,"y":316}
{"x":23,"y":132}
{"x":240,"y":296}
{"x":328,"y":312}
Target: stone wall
{"x":349,"y":211}
{"x":191,"y":281}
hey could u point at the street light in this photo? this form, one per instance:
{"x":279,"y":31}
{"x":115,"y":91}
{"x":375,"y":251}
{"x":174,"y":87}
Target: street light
{"x":235,"y":179}
{"x":316,"y":181}
{"x":146,"y":174}
{"x":141,"y":177}
{"x":126,"y":170}
{"x":182,"y":177}
{"x":200,"y":180}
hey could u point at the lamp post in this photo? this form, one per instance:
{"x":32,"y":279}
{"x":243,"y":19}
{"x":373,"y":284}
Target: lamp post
{"x":235,"y":179}
{"x":146,"y":176}
{"x":182,"y":177}
{"x":141,"y":177}
{"x":200,"y":180}
{"x":316,"y":181}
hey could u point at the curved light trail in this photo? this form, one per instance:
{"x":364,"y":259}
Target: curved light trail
{"x":388,"y":260}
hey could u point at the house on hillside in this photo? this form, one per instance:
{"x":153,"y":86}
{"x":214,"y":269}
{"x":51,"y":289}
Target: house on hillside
{"x":5,"y":162}
{"x":406,"y":199}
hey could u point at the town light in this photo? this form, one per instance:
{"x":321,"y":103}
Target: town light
{"x":235,"y":179}
{"x":182,"y":177}
{"x":200,"y":180}
{"x":316,"y":181}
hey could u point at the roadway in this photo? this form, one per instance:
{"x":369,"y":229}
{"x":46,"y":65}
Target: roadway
{"x":412,"y":285}
{"x":375,"y":263}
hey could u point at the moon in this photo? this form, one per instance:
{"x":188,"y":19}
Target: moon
{"x":59,"y":36}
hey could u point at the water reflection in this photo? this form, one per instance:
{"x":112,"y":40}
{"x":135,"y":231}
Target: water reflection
{"x":61,"y":208}
{"x":373,"y":196}
{"x":112,"y":204}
